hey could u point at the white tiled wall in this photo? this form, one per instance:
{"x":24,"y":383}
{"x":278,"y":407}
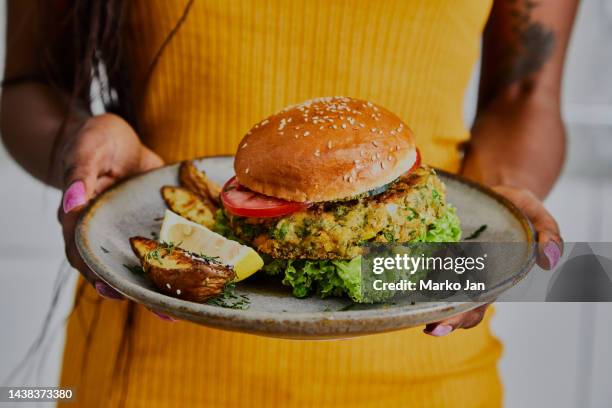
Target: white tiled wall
{"x":555,"y":354}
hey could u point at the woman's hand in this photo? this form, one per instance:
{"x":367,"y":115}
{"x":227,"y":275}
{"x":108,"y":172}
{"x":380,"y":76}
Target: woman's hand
{"x":518,"y":150}
{"x":549,"y":253}
{"x":102,"y":151}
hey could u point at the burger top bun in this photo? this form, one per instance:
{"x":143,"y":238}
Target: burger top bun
{"x":323,"y":150}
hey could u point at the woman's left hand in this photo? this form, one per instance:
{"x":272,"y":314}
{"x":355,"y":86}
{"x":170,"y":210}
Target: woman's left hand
{"x":549,"y":252}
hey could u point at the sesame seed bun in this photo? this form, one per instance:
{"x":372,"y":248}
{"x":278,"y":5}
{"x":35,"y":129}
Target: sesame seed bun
{"x":323,"y":150}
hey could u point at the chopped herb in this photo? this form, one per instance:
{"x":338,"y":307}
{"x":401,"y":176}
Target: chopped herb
{"x":230,"y":299}
{"x":250,"y":230}
{"x":388,"y":235}
{"x":477,"y":233}
{"x":157,"y":219}
{"x":435,"y":194}
{"x":210,"y":259}
{"x":304,"y":230}
{"x":281,"y":232}
{"x":340,"y":211}
{"x":135,"y":269}
{"x":106,"y":251}
{"x":168,"y":247}
{"x":413,"y":214}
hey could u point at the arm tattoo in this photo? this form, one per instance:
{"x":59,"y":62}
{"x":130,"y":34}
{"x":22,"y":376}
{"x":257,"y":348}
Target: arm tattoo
{"x":527,"y":45}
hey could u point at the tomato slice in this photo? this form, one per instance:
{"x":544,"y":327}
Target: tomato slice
{"x":417,"y":162}
{"x":239,"y":200}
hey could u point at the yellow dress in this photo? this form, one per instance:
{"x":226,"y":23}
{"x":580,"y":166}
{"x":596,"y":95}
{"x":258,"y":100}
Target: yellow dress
{"x":230,"y":64}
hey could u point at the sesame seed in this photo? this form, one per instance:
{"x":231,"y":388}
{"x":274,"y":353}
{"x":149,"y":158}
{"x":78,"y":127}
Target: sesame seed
{"x":374,"y":130}
{"x":321,"y":127}
{"x":390,"y":158}
{"x":393,"y":132}
{"x":334,"y":127}
{"x":178,"y":291}
{"x":317,"y":153}
{"x":306,"y":133}
{"x":289,"y":120}
{"x":380,"y":132}
{"x":362,"y":125}
{"x":244,"y":145}
{"x":168,"y":286}
{"x":246,"y":171}
{"x":265,"y":122}
{"x":375,"y":143}
{"x":344,"y":126}
{"x":329,"y":144}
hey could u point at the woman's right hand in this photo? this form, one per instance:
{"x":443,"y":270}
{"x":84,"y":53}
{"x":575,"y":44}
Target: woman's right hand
{"x":104,"y":150}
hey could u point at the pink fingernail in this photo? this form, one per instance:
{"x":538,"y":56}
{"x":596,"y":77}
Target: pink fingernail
{"x":106,"y":291}
{"x":553,"y":253}
{"x":164,"y":317}
{"x":440,"y":330}
{"x":74,"y":196}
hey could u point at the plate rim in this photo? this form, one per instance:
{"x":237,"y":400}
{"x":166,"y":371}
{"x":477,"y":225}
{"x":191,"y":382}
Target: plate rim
{"x":301,"y":323}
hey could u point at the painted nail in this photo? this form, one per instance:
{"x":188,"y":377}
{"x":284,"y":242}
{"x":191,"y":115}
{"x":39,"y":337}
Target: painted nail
{"x":74,"y":196}
{"x":553,"y":253}
{"x":163,"y":316}
{"x":106,"y":291}
{"x":440,"y":330}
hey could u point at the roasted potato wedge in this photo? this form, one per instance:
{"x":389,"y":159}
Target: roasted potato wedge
{"x":196,"y":181}
{"x":178,"y":273}
{"x":188,"y":204}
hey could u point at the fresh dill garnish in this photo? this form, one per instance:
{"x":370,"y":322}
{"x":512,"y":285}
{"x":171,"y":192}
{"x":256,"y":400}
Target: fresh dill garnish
{"x":230,"y":299}
{"x":168,"y":247}
{"x":106,"y":251}
{"x":135,"y":269}
{"x":209,"y":259}
{"x":477,"y":233}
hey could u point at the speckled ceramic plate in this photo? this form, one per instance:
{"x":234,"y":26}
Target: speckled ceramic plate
{"x":135,"y":206}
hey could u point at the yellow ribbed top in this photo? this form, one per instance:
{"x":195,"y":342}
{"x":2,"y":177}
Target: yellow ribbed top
{"x":230,"y":64}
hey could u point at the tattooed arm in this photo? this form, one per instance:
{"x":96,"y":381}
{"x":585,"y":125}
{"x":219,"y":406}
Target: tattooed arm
{"x":518,"y":138}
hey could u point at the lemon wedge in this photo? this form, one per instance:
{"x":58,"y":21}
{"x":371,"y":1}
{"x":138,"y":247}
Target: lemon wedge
{"x":200,"y":240}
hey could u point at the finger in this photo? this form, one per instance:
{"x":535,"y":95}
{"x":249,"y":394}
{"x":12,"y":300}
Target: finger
{"x":150,"y":160}
{"x":550,"y":243}
{"x":162,"y":316}
{"x":68,"y":222}
{"x":465,"y":320}
{"x":106,"y":291}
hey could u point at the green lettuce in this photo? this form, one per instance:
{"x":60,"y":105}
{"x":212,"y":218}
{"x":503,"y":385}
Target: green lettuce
{"x":341,"y":277}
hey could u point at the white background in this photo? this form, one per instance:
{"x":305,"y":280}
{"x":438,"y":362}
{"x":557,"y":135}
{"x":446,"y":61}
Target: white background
{"x":555,"y":354}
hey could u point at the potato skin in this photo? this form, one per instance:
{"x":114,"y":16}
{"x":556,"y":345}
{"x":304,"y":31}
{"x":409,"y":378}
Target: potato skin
{"x":178,"y":273}
{"x":189,"y":205}
{"x":196,"y":181}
